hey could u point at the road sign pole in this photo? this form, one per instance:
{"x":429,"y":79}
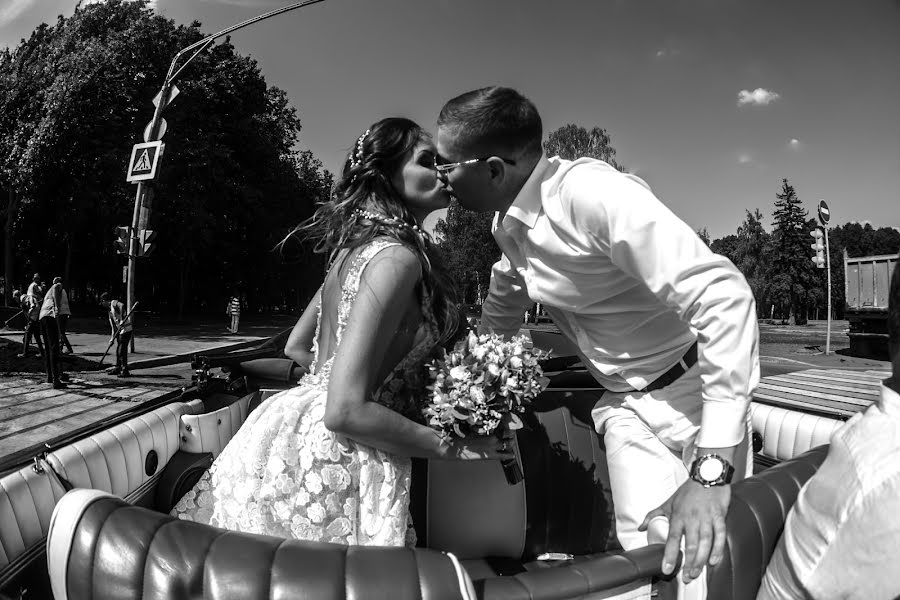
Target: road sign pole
{"x":142,"y":197}
{"x":828,"y":268}
{"x":141,"y":212}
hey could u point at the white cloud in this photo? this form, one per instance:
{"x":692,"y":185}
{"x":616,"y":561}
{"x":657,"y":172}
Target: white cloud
{"x":794,"y":144}
{"x":667,"y":52}
{"x":744,"y":158}
{"x":10,"y":9}
{"x":758,"y":97}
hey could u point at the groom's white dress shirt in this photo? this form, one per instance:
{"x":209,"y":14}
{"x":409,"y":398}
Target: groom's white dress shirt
{"x":842,"y":537}
{"x":632,"y":285}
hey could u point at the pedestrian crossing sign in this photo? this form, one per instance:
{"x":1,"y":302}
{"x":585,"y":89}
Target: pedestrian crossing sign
{"x":144,"y":160}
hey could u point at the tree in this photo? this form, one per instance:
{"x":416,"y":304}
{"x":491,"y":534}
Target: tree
{"x":572,"y":141}
{"x":792,"y":280}
{"x":753,"y":256}
{"x":74,"y":98}
{"x":703,"y":234}
{"x":727,"y":247}
{"x":469,"y":249}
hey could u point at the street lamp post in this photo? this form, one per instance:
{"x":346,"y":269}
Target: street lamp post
{"x":143,"y":197}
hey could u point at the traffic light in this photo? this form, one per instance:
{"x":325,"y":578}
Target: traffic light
{"x":818,"y":246}
{"x":123,"y":238}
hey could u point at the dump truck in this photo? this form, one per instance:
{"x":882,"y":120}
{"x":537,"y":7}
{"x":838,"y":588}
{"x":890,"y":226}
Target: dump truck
{"x":868,"y":280}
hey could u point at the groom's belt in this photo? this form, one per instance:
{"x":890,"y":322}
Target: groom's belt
{"x":680,"y":368}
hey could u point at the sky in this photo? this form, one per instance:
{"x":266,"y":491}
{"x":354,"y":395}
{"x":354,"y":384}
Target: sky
{"x":712,"y":102}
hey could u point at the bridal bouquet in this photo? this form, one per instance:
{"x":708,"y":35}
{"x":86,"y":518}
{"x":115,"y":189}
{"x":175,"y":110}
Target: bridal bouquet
{"x":482,"y":387}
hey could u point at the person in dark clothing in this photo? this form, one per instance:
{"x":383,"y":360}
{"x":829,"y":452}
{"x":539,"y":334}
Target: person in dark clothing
{"x":49,"y":318}
{"x":31,"y":308}
{"x":65,"y":313}
{"x":120,"y":330}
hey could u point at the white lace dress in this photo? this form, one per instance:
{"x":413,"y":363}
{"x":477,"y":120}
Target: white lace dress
{"x":285,"y":474}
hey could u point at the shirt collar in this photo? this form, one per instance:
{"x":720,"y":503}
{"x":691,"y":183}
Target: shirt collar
{"x":527,"y":205}
{"x":890,"y":400}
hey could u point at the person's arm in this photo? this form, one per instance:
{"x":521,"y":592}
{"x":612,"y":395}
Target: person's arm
{"x":386,"y":293}
{"x":506,"y":300}
{"x":300,"y":343}
{"x":648,"y":242}
{"x":57,"y":302}
{"x":113,"y":324}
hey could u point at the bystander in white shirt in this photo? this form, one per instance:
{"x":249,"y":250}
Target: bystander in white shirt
{"x":633,"y":286}
{"x":842,"y":537}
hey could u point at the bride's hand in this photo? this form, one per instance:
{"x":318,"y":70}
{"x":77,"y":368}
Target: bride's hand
{"x":478,"y":448}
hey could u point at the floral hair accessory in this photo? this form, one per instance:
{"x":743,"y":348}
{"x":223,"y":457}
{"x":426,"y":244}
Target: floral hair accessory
{"x":356,"y":157}
{"x":386,"y":220}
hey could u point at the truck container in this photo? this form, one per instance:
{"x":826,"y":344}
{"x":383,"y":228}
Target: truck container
{"x":868,"y":280}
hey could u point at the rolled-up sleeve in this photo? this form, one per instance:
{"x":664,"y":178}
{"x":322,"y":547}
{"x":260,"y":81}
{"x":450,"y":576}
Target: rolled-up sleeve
{"x":647,"y":241}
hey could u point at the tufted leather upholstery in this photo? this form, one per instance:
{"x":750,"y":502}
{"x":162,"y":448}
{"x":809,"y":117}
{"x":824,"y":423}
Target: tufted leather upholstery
{"x":759,"y":507}
{"x":100,"y":547}
{"x":786,"y":433}
{"x":211,"y":431}
{"x":114,"y":460}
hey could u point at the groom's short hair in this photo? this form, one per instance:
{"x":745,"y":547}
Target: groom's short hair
{"x":493,"y":120}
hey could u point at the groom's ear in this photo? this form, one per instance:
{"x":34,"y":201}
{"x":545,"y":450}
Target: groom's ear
{"x":498,"y":169}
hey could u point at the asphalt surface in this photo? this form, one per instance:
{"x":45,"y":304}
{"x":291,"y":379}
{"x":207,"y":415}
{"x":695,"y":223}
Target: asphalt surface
{"x":782,"y":348}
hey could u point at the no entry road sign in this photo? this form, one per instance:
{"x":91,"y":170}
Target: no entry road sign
{"x":824,"y":213}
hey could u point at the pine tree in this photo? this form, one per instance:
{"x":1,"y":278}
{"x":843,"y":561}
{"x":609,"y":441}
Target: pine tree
{"x":793,"y":282}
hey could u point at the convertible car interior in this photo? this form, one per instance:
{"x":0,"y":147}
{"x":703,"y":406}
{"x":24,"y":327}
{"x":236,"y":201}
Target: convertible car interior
{"x":96,"y":511}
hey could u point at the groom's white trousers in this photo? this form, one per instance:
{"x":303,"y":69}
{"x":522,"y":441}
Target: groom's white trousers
{"x":650,"y":444}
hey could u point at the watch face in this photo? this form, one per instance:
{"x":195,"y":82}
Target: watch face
{"x":711,"y":469}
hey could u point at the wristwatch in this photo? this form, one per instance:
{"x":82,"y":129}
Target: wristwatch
{"x":711,"y":470}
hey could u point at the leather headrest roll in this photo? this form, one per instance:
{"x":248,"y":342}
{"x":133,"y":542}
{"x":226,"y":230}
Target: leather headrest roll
{"x":100,"y":547}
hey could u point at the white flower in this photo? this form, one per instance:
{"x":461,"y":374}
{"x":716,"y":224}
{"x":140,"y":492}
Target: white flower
{"x":313,"y":483}
{"x":515,"y":362}
{"x":338,"y":528}
{"x":316,"y":513}
{"x":324,"y":444}
{"x":335,"y":477}
{"x":460,"y":373}
{"x":350,"y":507}
{"x":476,"y":394}
{"x":301,"y":498}
{"x":282,"y":510}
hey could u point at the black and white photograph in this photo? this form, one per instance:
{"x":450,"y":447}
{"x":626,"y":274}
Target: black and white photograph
{"x":449,"y":299}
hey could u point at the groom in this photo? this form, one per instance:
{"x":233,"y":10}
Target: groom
{"x":664,"y":324}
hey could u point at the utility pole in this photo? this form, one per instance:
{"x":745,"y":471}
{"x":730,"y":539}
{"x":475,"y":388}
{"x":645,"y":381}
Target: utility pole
{"x":143,"y":198}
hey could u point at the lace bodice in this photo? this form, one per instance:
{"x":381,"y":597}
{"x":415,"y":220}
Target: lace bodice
{"x":402,"y":389}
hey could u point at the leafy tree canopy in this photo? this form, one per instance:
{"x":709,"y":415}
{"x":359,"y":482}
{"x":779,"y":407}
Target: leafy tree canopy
{"x":75,"y":96}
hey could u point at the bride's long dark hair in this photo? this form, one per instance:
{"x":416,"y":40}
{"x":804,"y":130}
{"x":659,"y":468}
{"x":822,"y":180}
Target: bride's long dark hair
{"x":365,"y":185}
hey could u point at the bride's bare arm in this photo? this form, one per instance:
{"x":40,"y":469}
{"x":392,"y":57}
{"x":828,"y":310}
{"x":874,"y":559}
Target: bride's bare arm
{"x":300,"y":342}
{"x":386,"y":293}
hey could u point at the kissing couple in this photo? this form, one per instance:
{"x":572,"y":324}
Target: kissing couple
{"x":665,"y":325}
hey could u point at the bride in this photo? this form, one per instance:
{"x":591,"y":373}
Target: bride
{"x":328,"y":460}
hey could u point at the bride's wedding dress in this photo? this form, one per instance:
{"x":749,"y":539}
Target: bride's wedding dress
{"x":285,"y":474}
